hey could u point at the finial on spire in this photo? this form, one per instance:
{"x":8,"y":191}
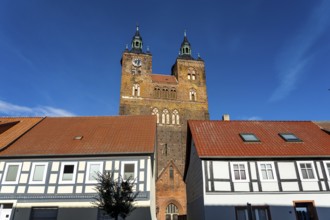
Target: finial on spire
{"x":185,"y":33}
{"x":198,"y":55}
{"x":126,"y":46}
{"x":137,"y":27}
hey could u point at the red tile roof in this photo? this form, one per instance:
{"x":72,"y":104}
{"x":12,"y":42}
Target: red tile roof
{"x":222,"y":139}
{"x":163,"y":79}
{"x":99,"y":135}
{"x":12,"y":128}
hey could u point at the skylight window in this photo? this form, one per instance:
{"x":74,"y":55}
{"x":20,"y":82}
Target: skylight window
{"x":249,"y":137}
{"x":289,"y":137}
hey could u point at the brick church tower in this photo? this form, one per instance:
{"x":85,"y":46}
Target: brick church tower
{"x":174,"y":99}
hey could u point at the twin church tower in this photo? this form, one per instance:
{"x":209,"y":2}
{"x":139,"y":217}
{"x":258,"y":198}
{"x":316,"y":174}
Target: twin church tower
{"x":173,"y":99}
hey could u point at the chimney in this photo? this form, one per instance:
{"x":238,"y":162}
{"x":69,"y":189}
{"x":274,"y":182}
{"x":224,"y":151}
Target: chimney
{"x":225,"y":117}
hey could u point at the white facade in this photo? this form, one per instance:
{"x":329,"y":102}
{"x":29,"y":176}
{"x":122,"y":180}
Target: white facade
{"x":62,"y":183}
{"x":273,"y":188}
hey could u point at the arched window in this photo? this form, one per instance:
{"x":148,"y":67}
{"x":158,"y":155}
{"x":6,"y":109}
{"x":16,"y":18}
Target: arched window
{"x":192,"y":95}
{"x":136,"y":90}
{"x":157,"y":92}
{"x":173,"y":93}
{"x":172,"y":212}
{"x":165,"y":93}
{"x":189,"y":76}
{"x":165,"y":117}
{"x":175,"y":117}
{"x":155,"y":112}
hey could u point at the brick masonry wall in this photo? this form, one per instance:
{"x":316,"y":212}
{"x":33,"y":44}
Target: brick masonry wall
{"x":171,"y":138}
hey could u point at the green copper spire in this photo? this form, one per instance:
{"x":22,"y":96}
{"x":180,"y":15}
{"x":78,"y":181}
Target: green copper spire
{"x":185,"y":50}
{"x":137,"y":42}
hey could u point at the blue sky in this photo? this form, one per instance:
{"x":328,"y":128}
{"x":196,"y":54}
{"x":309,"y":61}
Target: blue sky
{"x":265,"y":59}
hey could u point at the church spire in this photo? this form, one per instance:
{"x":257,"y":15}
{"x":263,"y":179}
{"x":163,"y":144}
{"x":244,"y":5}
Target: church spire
{"x":185,"y":50}
{"x":137,"y":42}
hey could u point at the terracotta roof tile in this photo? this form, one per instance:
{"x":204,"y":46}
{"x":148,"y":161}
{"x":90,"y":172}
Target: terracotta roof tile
{"x":222,"y":139}
{"x":12,"y":128}
{"x":163,"y":79}
{"x":99,"y":135}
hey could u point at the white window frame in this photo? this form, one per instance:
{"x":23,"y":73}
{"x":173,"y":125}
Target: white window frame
{"x":123,"y":166}
{"x":233,"y":173}
{"x":74,"y":175}
{"x":326,"y":168}
{"x":17,"y":175}
{"x":273,"y":170}
{"x":31,"y":181}
{"x":100,"y":163}
{"x":313,"y":168}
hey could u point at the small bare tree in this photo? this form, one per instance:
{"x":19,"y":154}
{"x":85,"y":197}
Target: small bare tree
{"x":115,"y":196}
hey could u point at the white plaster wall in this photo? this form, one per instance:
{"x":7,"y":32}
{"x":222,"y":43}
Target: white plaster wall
{"x":82,"y":166}
{"x":55,"y":166}
{"x":290,"y":186}
{"x":65,"y":189}
{"x":287,"y":170}
{"x":253,"y":170}
{"x":7,"y":189}
{"x":319,"y":170}
{"x":310,"y":185}
{"x":220,"y":170}
{"x":222,"y":186}
{"x":269,"y":186}
{"x":36,"y":189}
{"x":239,"y":187}
{"x":2,"y":165}
{"x":26,"y":166}
{"x":108,"y":165}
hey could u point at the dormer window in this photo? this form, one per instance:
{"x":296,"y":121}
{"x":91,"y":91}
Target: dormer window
{"x":249,"y":137}
{"x":289,"y":137}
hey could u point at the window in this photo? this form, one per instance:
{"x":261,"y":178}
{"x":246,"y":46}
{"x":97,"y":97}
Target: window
{"x":136,"y":90}
{"x":12,"y":172}
{"x":68,"y":172}
{"x":49,"y":213}
{"x":165,"y":93}
{"x":249,"y":137}
{"x":165,"y":117}
{"x":175,"y":117}
{"x":305,"y":211}
{"x":266,"y":171}
{"x":289,"y":137}
{"x":239,"y":171}
{"x":173,"y":93}
{"x":256,"y":212}
{"x":93,"y":168}
{"x":306,"y":170}
{"x":192,"y":95}
{"x":38,"y":173}
{"x":171,"y":172}
{"x":172,"y":212}
{"x":155,"y":112}
{"x":157,"y":92}
{"x":129,"y":170}
{"x":191,"y":74}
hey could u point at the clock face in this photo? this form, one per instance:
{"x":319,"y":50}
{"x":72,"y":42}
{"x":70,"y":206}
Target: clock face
{"x":137,"y":62}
